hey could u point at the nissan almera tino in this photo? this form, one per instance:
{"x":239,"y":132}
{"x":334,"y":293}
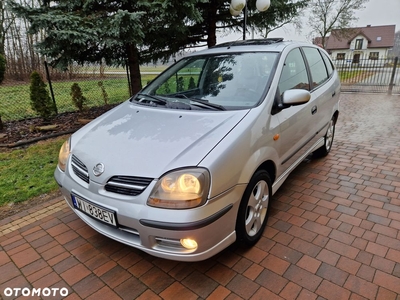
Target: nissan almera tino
{"x":189,"y":165}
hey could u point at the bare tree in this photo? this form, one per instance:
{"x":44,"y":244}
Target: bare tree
{"x":396,"y":48}
{"x":17,"y":44}
{"x":327,"y":15}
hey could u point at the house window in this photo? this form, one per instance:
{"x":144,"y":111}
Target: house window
{"x":374,"y":55}
{"x":340,"y":56}
{"x":359,"y":44}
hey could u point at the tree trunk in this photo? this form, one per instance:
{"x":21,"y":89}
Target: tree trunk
{"x":212,"y":24}
{"x":2,"y":29}
{"x":134,"y":68}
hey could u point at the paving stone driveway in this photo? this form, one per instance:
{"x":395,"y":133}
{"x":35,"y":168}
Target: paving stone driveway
{"x":333,"y":233}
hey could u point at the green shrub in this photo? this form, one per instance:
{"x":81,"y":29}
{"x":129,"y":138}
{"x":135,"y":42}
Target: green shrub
{"x":180,"y":85}
{"x":77,"y":97}
{"x":2,"y":67}
{"x":103,"y":92}
{"x":192,"y":84}
{"x":40,"y":99}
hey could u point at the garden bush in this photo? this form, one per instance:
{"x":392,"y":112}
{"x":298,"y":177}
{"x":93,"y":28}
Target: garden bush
{"x":41,"y":102}
{"x":77,"y":97}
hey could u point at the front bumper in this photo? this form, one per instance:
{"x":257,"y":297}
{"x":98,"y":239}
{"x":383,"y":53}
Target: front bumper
{"x":158,"y":231}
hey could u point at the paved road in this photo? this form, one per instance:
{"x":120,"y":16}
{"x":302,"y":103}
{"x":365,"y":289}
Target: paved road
{"x":334,"y":233}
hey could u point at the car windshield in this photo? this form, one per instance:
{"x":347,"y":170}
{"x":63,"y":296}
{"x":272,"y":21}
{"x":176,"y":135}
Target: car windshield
{"x":218,"y":82}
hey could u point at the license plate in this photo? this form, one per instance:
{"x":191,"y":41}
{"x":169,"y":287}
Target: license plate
{"x":100,"y":213}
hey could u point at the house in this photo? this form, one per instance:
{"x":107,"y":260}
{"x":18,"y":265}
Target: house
{"x":361,"y":44}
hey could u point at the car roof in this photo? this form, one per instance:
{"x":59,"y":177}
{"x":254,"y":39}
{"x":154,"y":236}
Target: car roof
{"x":253,"y":45}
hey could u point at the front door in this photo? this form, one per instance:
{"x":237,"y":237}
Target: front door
{"x":295,"y":121}
{"x":356,"y":58}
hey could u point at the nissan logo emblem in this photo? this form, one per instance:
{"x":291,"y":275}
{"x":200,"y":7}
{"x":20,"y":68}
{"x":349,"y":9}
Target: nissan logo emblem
{"x":98,"y":169}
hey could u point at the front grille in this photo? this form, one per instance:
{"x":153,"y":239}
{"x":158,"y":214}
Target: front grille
{"x":127,"y":185}
{"x":79,"y":169}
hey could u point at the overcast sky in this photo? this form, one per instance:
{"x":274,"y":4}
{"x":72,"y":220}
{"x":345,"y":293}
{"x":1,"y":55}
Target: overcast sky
{"x":376,"y":12}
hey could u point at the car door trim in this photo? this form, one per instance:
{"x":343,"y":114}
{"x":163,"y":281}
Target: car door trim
{"x":305,"y":143}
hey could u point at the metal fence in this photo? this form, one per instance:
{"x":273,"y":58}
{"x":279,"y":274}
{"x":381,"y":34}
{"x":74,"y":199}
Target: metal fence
{"x":99,"y":85}
{"x":369,"y":75}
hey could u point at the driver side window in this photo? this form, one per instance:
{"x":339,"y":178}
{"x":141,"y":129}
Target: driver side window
{"x":294,"y":73}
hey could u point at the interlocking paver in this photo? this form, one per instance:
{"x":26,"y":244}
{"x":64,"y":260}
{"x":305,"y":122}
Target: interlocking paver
{"x":178,"y":291}
{"x":333,"y":233}
{"x":275,"y":264}
{"x":203,"y":285}
{"x":221,"y":274}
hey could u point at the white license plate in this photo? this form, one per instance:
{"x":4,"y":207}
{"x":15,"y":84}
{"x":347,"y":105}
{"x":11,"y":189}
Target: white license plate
{"x":95,"y":211}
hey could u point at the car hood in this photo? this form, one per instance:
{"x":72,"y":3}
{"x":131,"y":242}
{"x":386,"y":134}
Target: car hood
{"x":134,"y":140}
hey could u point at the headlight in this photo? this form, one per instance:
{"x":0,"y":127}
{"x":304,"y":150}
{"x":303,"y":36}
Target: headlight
{"x":181,"y":189}
{"x":63,"y":155}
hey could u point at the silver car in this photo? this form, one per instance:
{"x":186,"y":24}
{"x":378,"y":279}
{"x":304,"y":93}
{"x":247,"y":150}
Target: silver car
{"x":188,"y":165}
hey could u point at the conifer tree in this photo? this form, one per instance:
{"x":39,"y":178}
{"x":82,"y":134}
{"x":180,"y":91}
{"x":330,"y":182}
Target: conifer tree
{"x":41,"y":102}
{"x":77,"y":97}
{"x":137,"y":32}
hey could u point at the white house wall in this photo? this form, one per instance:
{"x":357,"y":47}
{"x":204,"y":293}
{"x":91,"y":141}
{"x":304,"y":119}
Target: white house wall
{"x":364,"y":56}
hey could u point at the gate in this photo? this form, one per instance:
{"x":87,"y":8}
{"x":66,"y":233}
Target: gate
{"x":369,"y":75}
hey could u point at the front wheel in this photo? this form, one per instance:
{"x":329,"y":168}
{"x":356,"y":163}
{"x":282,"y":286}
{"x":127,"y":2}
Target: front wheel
{"x":328,"y":140}
{"x":253,"y":210}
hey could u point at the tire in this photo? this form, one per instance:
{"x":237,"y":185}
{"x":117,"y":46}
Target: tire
{"x":253,"y":210}
{"x":328,"y":140}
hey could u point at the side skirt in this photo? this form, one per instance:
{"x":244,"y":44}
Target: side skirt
{"x":281,"y":179}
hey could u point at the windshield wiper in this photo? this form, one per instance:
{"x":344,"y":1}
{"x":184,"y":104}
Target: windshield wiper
{"x":141,"y":97}
{"x":204,"y":102}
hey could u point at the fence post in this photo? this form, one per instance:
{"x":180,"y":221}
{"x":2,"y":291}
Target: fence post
{"x":129,"y":78}
{"x":391,"y":84}
{"x":50,"y":86}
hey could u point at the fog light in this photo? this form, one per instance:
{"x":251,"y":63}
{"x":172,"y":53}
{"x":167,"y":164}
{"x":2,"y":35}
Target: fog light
{"x":189,"y":244}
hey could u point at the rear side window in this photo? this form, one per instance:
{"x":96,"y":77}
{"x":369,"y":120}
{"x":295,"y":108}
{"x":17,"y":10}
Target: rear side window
{"x":294,"y":73}
{"x":318,"y":70}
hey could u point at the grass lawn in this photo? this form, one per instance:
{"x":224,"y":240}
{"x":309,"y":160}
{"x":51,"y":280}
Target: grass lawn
{"x":354,"y":75}
{"x":27,"y":173}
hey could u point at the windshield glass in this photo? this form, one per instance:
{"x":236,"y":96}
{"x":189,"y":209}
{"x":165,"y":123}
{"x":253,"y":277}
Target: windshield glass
{"x":227,"y":81}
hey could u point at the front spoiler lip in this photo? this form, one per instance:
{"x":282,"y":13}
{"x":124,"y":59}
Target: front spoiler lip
{"x":186,"y":226}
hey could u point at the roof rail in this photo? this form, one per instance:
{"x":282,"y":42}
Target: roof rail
{"x":267,"y":41}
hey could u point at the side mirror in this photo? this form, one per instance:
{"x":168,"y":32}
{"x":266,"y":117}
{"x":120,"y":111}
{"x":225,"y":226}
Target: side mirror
{"x":295,"y":97}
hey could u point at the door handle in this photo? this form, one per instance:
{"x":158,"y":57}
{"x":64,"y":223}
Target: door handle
{"x":314,"y":110}
{"x":334,"y":94}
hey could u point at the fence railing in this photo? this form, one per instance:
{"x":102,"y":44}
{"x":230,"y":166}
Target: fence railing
{"x":369,"y":75}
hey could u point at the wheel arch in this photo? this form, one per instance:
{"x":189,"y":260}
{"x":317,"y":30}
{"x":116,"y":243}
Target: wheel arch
{"x":270,"y":167}
{"x":336,"y":116}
